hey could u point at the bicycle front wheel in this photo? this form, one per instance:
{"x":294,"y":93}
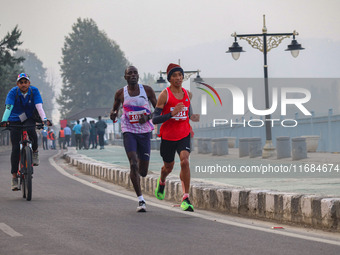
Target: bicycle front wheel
{"x":28,"y":165}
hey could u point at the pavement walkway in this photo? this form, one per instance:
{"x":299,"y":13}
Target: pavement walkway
{"x":319,"y":174}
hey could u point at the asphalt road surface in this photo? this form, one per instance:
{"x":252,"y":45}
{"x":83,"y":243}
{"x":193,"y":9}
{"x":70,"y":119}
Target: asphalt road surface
{"x":75,"y":214}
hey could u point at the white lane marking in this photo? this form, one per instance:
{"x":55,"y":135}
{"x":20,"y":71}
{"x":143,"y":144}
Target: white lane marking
{"x":196,"y":214}
{"x":8,"y":230}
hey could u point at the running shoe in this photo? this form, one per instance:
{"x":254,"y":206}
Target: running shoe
{"x":141,"y":206}
{"x":15,"y":184}
{"x":187,"y":206}
{"x":160,"y":190}
{"x":35,"y":158}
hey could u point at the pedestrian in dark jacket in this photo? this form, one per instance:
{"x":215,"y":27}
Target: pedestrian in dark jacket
{"x":85,"y":132}
{"x":101,"y":126}
{"x":93,"y":135}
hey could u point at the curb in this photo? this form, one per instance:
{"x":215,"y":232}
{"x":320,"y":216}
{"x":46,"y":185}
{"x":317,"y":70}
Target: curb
{"x":308,"y":210}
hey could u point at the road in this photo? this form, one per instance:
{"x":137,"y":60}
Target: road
{"x":75,"y":214}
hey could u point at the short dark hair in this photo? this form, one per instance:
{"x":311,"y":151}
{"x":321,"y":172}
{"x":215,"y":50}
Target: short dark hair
{"x":129,"y":67}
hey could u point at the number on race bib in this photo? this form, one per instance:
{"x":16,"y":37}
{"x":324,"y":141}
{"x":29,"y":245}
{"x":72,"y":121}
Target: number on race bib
{"x":182,"y":115}
{"x":134,"y":116}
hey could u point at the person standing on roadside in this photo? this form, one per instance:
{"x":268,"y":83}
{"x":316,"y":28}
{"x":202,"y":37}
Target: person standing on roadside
{"x":61,"y":138}
{"x":68,"y":134}
{"x":51,"y":138}
{"x":101,"y":126}
{"x":77,"y":132}
{"x":44,"y":138}
{"x":173,"y":109}
{"x":93,"y":135}
{"x":85,"y":132}
{"x":136,"y":127}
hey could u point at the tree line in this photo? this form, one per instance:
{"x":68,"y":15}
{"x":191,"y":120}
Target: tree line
{"x":92,"y":69}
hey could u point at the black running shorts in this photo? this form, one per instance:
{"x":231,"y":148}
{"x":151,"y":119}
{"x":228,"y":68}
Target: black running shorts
{"x":169,"y":148}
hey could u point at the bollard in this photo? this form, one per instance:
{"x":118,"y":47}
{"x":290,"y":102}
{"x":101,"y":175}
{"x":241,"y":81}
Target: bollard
{"x":158,"y":144}
{"x":283,"y":147}
{"x":243,"y":147}
{"x":219,"y":146}
{"x":153,"y":144}
{"x":199,"y":145}
{"x":206,"y":145}
{"x":214,"y":142}
{"x":312,"y":142}
{"x":231,"y":142}
{"x":299,"y":148}
{"x":192,"y":144}
{"x":255,"y":147}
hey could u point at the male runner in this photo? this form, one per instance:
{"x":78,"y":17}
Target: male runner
{"x":136,"y":127}
{"x":174,"y":111}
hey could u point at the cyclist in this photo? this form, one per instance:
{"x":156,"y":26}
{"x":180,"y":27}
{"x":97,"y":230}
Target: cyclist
{"x":136,"y":127}
{"x":21,"y":103}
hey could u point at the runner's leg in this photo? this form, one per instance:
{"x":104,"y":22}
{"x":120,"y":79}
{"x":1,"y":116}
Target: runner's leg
{"x":144,"y":150}
{"x":130,"y":145}
{"x":185,"y":171}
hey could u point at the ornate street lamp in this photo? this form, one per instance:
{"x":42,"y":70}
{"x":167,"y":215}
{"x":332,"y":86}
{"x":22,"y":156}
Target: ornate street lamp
{"x":235,"y":50}
{"x":265,"y":42}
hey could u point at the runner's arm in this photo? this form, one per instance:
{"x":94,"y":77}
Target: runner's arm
{"x":116,"y":104}
{"x":192,"y":116}
{"x":151,"y":95}
{"x":157,"y":118}
{"x":152,"y":98}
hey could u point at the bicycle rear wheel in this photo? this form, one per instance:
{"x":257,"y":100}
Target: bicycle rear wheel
{"x":28,"y":173}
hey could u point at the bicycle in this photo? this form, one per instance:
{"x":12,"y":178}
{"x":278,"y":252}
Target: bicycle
{"x":25,"y":170}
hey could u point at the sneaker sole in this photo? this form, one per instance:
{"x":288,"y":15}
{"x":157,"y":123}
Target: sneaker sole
{"x":190,"y":208}
{"x":141,"y":210}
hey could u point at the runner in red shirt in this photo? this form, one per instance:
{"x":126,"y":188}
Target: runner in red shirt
{"x":174,"y":111}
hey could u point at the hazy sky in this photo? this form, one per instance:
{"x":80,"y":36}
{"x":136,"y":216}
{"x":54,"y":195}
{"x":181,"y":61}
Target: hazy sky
{"x":153,"y":33}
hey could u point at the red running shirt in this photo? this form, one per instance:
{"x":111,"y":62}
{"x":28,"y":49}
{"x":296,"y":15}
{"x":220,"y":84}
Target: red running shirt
{"x":177,"y":127}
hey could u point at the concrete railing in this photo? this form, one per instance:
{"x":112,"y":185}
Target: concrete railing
{"x":311,"y":210}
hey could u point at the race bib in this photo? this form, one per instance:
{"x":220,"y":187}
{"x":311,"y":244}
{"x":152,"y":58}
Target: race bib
{"x":134,"y":116}
{"x":182,"y":115}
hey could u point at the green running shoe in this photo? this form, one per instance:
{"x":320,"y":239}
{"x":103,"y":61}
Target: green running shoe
{"x":187,"y":206}
{"x":160,"y":190}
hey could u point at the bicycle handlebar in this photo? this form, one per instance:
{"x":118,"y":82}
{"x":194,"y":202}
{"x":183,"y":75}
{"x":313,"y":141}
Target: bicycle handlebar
{"x":38,"y":126}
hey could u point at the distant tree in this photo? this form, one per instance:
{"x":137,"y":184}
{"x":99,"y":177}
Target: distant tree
{"x":148,"y":79}
{"x":38,"y":76}
{"x":92,"y":68}
{"x":9,"y":65}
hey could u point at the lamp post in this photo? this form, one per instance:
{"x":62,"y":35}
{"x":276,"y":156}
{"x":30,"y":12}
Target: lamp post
{"x":265,"y":42}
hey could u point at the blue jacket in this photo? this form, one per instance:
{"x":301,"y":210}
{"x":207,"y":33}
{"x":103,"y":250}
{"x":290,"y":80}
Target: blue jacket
{"x":23,"y":104}
{"x":77,"y":129}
